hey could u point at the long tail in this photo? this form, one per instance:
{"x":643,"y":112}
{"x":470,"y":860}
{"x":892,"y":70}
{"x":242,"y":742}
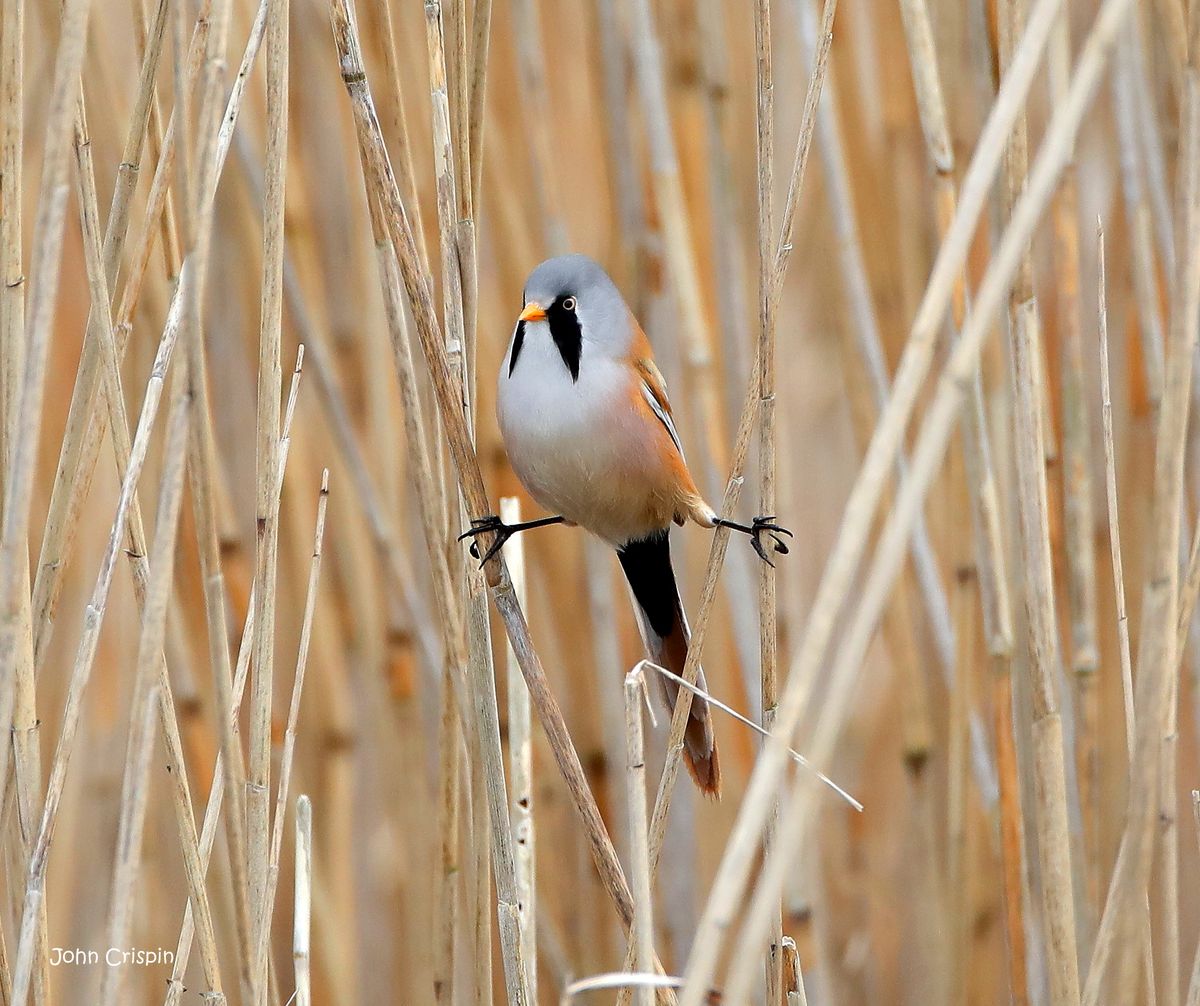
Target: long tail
{"x":647,"y":566}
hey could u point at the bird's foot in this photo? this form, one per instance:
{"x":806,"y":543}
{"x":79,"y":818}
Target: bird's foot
{"x":493,"y":524}
{"x":756,"y":529}
{"x":482,"y":525}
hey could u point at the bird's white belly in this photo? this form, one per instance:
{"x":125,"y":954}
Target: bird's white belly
{"x":578,"y":446}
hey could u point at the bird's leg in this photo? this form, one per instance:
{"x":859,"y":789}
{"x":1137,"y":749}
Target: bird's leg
{"x":492,"y":523}
{"x":758,"y":527}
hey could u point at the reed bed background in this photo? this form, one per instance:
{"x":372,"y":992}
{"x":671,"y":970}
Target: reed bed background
{"x":924,"y":281}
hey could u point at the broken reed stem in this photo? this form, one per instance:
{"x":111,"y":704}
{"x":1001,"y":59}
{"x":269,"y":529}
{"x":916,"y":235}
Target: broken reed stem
{"x":642,"y":934}
{"x":1028,"y":392}
{"x":293,"y":719}
{"x":935,"y":433}
{"x":302,"y":902}
{"x":520,"y":755}
{"x":270,"y":378}
{"x":792,"y":977}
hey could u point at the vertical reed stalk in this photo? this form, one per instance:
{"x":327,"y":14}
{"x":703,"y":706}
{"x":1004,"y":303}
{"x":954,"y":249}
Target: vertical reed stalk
{"x":258,"y":782}
{"x":642,"y":934}
{"x":520,"y":754}
{"x":765,"y":355}
{"x":302,"y":912}
{"x":1028,"y":389}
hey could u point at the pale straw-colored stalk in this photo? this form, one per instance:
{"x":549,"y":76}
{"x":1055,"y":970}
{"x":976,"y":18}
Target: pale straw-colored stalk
{"x":1028,"y":390}
{"x":520,"y":762}
{"x":258,"y":777}
{"x":642,"y":936}
{"x":302,"y":903}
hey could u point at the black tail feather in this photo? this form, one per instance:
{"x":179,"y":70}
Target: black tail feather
{"x":647,"y":566}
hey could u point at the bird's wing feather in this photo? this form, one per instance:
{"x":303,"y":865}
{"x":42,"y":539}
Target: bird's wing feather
{"x":654,"y":389}
{"x":663,"y":412}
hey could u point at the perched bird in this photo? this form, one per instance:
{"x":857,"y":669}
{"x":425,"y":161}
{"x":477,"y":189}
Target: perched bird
{"x":588,"y":428}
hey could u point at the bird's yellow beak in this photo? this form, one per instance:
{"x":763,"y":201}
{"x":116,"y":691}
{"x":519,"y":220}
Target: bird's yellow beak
{"x":533,"y":312}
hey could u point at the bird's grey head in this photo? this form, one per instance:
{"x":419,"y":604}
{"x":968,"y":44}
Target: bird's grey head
{"x":572,"y":300}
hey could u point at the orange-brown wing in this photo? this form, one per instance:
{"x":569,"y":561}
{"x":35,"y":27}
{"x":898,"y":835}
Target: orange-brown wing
{"x":654,"y":388}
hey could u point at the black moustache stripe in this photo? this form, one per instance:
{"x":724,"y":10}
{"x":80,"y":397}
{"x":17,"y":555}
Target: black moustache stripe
{"x":518,"y":342}
{"x":567,"y":335}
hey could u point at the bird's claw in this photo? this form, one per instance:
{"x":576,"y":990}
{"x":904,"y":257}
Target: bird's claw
{"x":766,"y":525}
{"x":481,"y":525}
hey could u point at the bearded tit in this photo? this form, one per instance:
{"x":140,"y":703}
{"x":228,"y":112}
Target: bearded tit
{"x":584,"y":414}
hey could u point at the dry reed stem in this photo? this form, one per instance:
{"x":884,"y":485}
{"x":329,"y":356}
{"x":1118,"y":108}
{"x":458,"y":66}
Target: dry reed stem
{"x":630,"y":252}
{"x":449,"y":393}
{"x":1157,"y":682}
{"x":213,"y":150}
{"x":793,"y":979}
{"x":733,"y":312}
{"x":1137,"y":212}
{"x":535,"y":104}
{"x":12,"y":295}
{"x":302,"y":901}
{"x":959,"y":868}
{"x":1078,"y":516}
{"x":768,"y":632}
{"x":934,"y":434}
{"x":445,"y":980}
{"x":642,"y":933}
{"x":1110,"y":481}
{"x":1114,"y":536}
{"x":258,"y":779}
{"x":293,"y":719}
{"x":869,"y":345}
{"x":1028,"y":391}
{"x":135,"y":788}
{"x":520,"y":761}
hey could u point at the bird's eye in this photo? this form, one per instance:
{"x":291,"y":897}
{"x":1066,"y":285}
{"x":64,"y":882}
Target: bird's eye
{"x":569,"y":304}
